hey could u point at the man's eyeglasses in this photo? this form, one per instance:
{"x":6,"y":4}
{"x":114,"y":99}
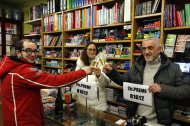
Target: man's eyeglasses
{"x":29,"y":51}
{"x":94,"y":50}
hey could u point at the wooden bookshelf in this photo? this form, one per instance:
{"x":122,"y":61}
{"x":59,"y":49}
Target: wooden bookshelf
{"x":136,"y":22}
{"x":176,"y":28}
{"x":148,"y":16}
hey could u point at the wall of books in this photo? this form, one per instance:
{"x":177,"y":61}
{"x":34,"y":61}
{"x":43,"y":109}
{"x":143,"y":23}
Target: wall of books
{"x":118,"y":27}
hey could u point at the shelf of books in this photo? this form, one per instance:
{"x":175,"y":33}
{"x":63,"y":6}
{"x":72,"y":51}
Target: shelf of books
{"x":34,"y":29}
{"x":111,"y":31}
{"x":76,"y":33}
{"x":147,"y":22}
{"x":52,"y":47}
{"x":118,"y":28}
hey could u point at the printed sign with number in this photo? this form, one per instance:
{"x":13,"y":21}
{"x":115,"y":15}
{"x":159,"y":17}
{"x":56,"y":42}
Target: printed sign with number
{"x":137,"y":93}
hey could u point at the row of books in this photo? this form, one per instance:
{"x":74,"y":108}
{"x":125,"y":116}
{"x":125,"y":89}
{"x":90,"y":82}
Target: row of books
{"x":78,"y":39}
{"x":58,"y":5}
{"x":119,"y":12}
{"x":118,"y":51}
{"x":77,"y":19}
{"x":51,"y":40}
{"x":36,"y":11}
{"x":53,"y":22}
{"x":175,"y":43}
{"x":10,"y":28}
{"x":175,"y":16}
{"x":104,"y":15}
{"x":147,"y":7}
{"x":74,"y":53}
{"x":53,"y":53}
{"x":105,"y":34}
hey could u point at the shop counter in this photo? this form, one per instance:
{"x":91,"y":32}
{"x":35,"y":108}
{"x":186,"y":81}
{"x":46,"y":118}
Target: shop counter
{"x":78,"y":115}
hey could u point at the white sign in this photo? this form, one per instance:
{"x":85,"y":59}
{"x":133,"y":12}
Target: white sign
{"x":137,"y":93}
{"x":85,"y":89}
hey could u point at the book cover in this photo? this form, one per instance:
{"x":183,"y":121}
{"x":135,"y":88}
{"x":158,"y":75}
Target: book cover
{"x":127,"y":10}
{"x":155,"y":6}
{"x":181,"y":43}
{"x":169,"y":45}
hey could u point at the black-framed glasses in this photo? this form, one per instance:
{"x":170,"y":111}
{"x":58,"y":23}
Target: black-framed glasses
{"x":30,"y":51}
{"x":94,"y":50}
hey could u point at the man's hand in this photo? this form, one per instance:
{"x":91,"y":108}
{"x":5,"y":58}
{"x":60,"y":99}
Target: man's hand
{"x":87,"y":69}
{"x":107,"y":68}
{"x":154,"y":88}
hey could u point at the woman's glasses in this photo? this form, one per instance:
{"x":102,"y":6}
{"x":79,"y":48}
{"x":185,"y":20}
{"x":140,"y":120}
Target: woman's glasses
{"x":30,"y":51}
{"x":94,"y":50}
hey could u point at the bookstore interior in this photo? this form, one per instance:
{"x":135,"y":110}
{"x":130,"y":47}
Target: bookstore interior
{"x":62,"y":28}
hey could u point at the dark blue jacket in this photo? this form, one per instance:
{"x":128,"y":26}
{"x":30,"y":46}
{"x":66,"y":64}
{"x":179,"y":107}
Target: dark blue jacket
{"x":170,"y":78}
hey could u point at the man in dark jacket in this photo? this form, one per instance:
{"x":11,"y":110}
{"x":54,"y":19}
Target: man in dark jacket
{"x":164,"y":78}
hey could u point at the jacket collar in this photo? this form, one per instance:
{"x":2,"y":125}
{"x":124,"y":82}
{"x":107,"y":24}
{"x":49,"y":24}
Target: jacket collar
{"x":140,"y":62}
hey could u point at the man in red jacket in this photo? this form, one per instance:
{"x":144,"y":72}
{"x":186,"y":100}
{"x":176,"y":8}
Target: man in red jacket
{"x":21,"y":83}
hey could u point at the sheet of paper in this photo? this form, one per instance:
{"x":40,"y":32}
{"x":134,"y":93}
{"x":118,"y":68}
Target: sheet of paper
{"x":137,"y":93}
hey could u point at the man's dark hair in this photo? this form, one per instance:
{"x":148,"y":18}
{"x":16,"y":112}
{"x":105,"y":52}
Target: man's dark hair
{"x":84,"y":57}
{"x":20,"y":44}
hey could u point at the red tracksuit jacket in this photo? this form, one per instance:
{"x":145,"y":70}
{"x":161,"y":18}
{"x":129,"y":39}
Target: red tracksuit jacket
{"x":20,"y":91}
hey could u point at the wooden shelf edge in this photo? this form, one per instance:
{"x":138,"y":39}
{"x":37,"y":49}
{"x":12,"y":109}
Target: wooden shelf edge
{"x":31,"y":35}
{"x":112,"y":25}
{"x":176,"y":28}
{"x":115,"y":58}
{"x":52,"y":58}
{"x":148,"y":15}
{"x":114,"y":41}
{"x":71,"y":59}
{"x":52,"y":32}
{"x":52,"y":46}
{"x":74,"y":46}
{"x":33,"y":21}
{"x":77,"y":29}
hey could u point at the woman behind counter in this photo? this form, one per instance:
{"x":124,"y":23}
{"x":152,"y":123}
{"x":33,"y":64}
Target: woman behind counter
{"x":89,"y":54}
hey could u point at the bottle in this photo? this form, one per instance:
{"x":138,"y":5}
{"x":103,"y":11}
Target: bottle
{"x":59,"y":103}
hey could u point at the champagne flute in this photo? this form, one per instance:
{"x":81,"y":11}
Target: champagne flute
{"x":102,"y":59}
{"x":91,"y":110}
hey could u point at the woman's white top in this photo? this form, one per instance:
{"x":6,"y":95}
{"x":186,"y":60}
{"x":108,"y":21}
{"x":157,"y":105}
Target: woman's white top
{"x":102,"y":81}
